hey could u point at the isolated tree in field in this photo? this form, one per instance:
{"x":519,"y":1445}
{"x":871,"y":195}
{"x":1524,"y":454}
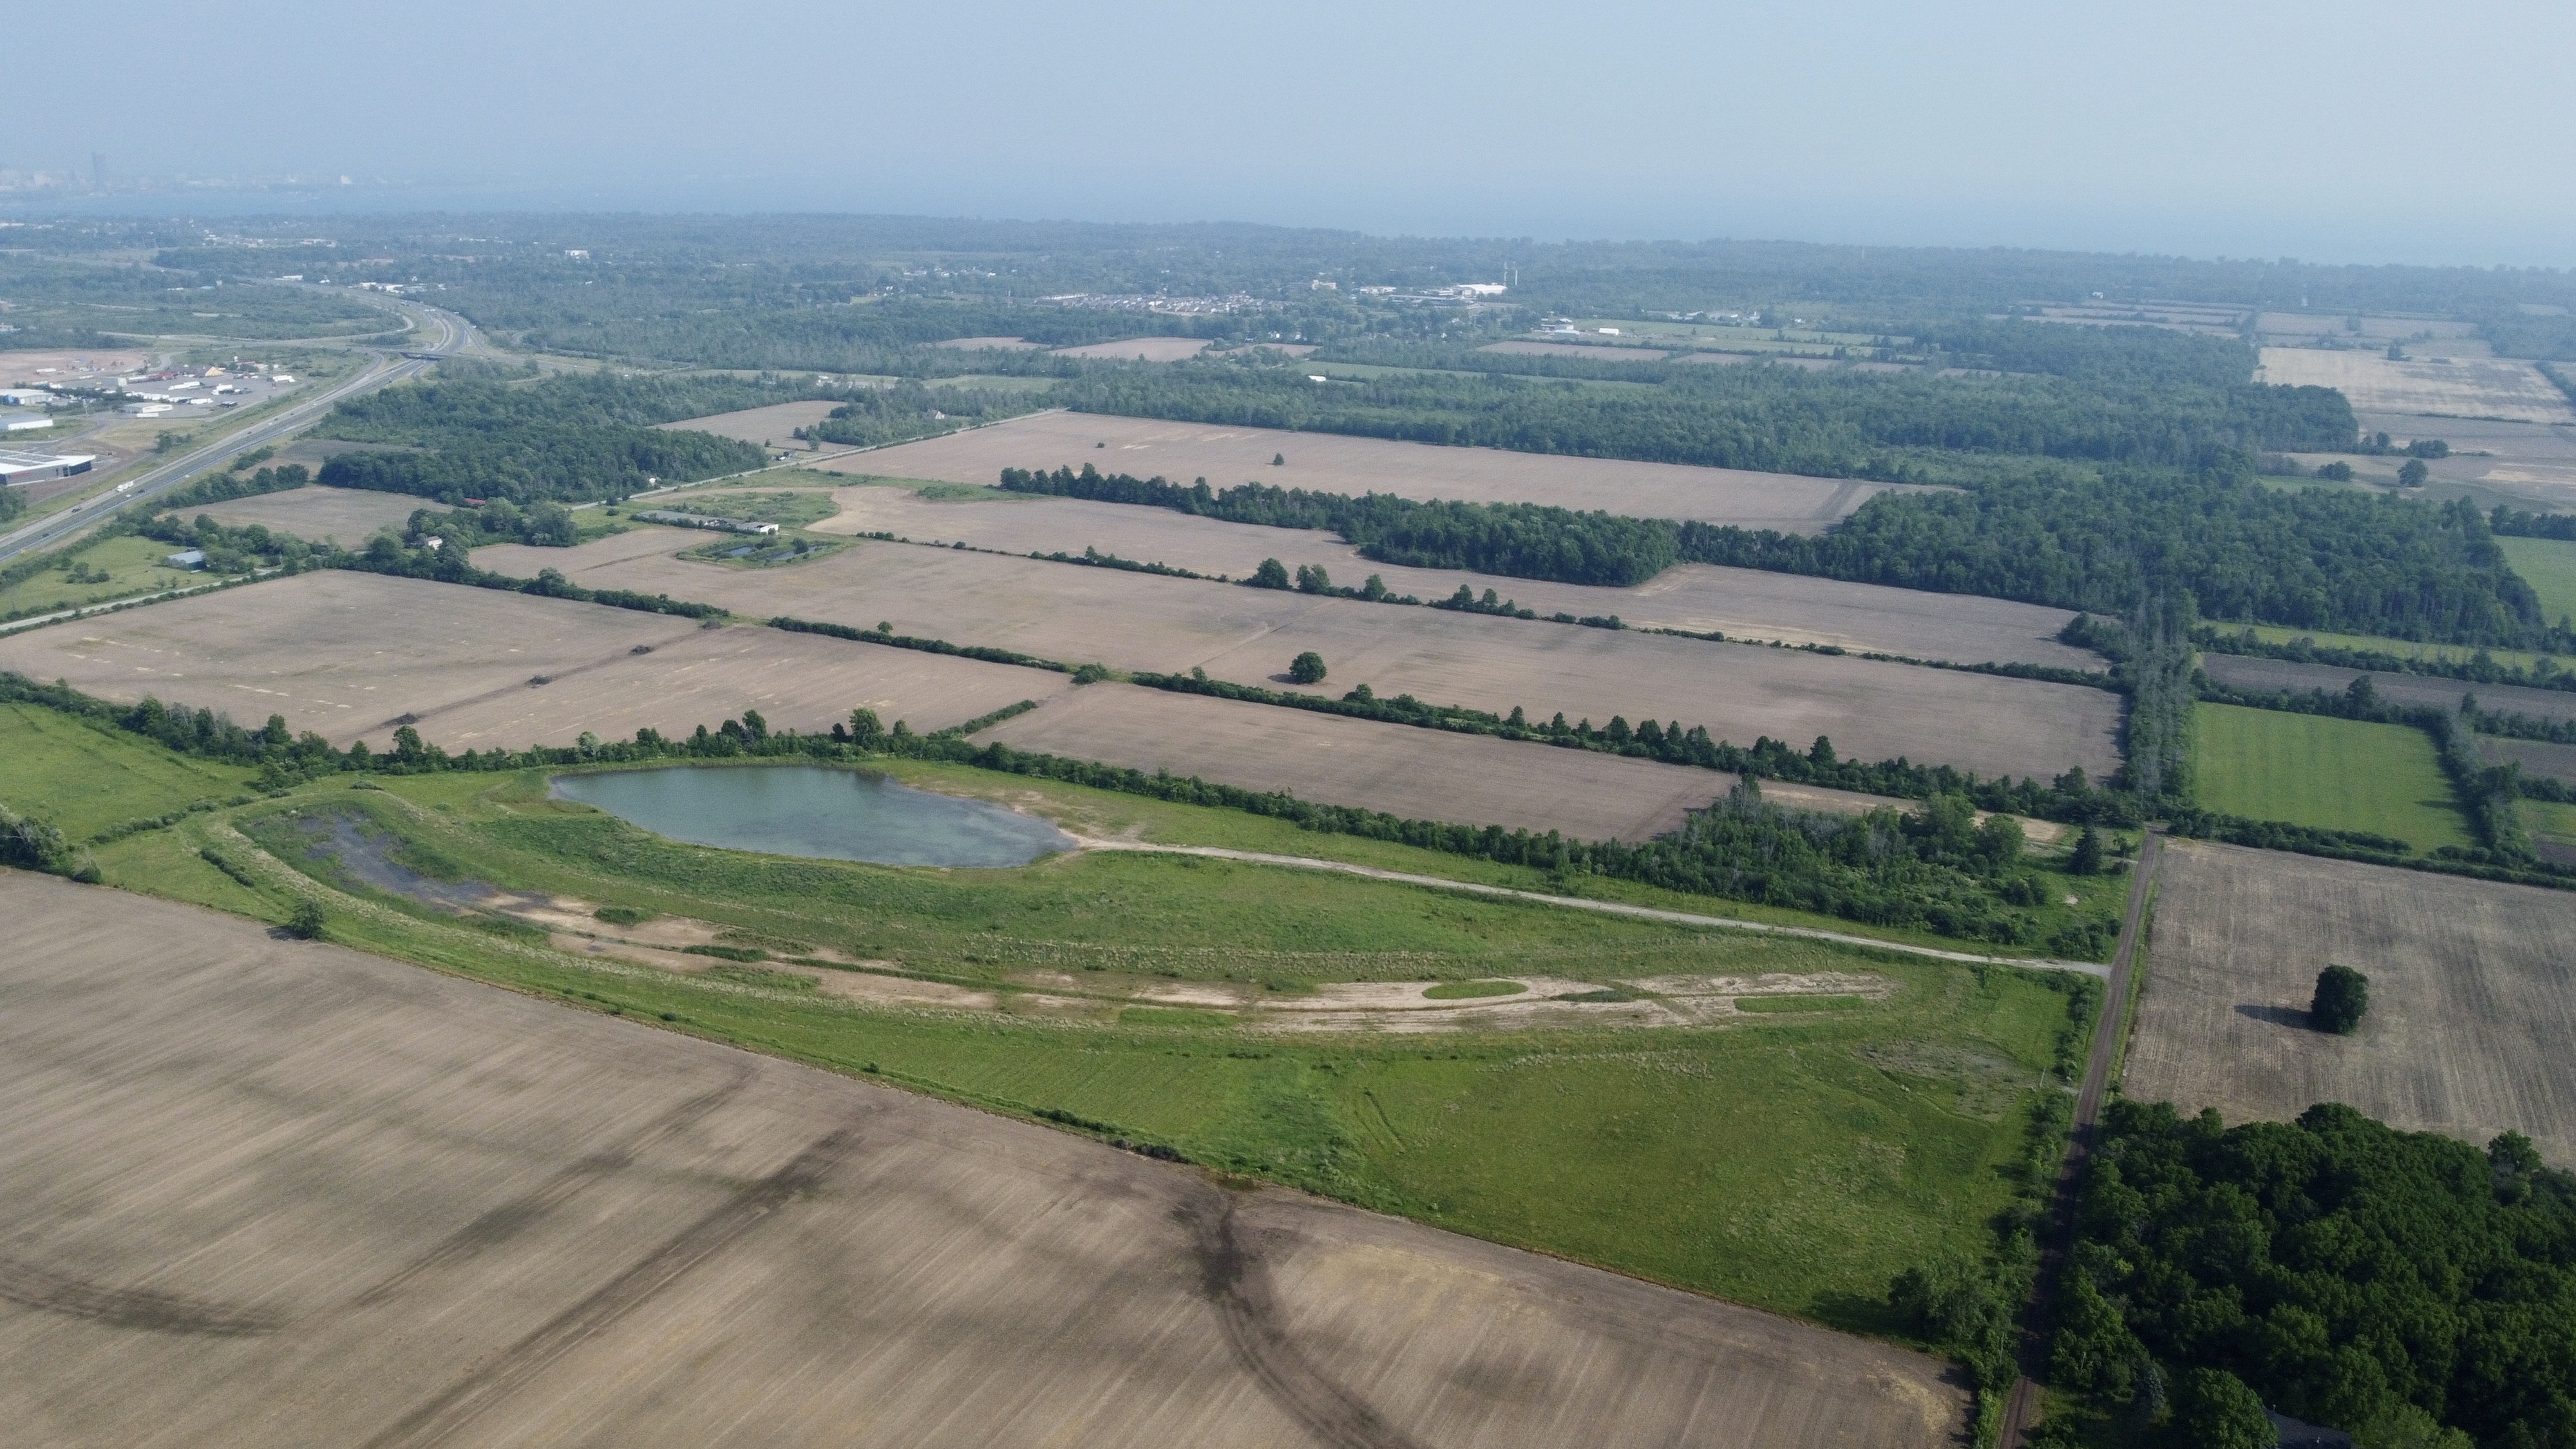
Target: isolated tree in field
{"x":1271,"y":575}
{"x":2087,"y":859}
{"x":2342,"y":999}
{"x":1278,"y":460}
{"x":305,"y":924}
{"x":2413,"y":474}
{"x":1306,"y":668}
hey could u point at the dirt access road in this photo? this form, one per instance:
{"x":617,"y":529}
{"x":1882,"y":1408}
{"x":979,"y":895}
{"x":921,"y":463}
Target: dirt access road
{"x":276,"y":1193}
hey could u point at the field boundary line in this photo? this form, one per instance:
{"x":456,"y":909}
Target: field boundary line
{"x":790,"y":464}
{"x":2022,"y":1404}
{"x":111,"y":606}
{"x":1615,"y":908}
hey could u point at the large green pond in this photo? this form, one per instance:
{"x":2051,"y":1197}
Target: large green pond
{"x":806,"y":810}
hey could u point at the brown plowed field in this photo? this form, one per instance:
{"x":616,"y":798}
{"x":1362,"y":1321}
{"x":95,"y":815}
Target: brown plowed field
{"x":1334,"y":464}
{"x":2238,"y":671}
{"x":349,"y":515}
{"x":349,"y":654}
{"x":1699,"y":598}
{"x":776,"y":423}
{"x":1414,"y":773}
{"x":2537,"y":757}
{"x":2472,"y":996}
{"x":1139,"y":349}
{"x":281,"y":1194}
{"x":2464,"y":386}
{"x":1871,"y":710}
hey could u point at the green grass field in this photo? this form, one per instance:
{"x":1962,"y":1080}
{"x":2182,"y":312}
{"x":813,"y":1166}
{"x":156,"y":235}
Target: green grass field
{"x":2549,"y":566}
{"x":1796,"y":1160}
{"x":2334,"y":774}
{"x":2401,"y":648}
{"x":132,"y":566}
{"x":2549,"y":820}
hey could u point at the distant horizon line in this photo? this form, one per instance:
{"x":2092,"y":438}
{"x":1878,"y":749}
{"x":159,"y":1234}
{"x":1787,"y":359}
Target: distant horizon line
{"x":352,"y":199}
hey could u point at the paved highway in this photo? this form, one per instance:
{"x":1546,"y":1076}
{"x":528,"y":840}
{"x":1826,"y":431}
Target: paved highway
{"x":433,"y":330}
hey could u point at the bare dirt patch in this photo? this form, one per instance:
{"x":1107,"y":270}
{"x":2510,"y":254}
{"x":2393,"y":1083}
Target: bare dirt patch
{"x":2461,"y":386}
{"x":352,"y":655}
{"x":2470,"y":1002}
{"x":1335,"y":464}
{"x":1698,"y":598}
{"x":1870,"y":709}
{"x":1139,"y":349}
{"x":772,"y":426}
{"x":1415,"y":773}
{"x":243,"y":1172}
{"x":347,"y":515}
{"x":2527,"y":466}
{"x":992,"y":344}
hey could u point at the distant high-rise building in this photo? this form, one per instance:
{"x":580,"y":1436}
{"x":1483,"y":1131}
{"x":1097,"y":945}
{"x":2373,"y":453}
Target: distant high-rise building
{"x":98,"y":170}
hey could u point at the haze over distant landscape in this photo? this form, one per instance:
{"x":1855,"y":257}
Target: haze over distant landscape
{"x":1326,"y":727}
{"x":2363,"y":132}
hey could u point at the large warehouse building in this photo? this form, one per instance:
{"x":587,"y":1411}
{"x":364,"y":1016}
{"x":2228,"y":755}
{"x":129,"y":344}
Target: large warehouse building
{"x":16,"y":467}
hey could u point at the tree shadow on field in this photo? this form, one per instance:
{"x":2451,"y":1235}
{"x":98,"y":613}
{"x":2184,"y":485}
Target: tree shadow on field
{"x":1859,"y":1313}
{"x":2280,"y":1015}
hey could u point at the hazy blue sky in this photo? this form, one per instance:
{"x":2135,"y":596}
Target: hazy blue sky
{"x":2354,"y":131}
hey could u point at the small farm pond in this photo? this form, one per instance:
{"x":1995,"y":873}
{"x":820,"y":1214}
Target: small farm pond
{"x":805,"y":810}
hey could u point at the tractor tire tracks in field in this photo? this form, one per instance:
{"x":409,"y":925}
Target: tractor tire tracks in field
{"x":500,"y":1224}
{"x":455,"y":1407}
{"x":46,"y":1291}
{"x":1237,"y":1286}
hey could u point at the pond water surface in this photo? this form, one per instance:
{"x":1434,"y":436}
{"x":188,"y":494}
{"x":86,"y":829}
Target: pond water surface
{"x":806,"y":810}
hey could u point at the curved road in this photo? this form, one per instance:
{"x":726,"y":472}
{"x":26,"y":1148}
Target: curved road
{"x":433,"y":331}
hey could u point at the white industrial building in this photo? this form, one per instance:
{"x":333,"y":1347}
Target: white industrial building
{"x":16,"y":468}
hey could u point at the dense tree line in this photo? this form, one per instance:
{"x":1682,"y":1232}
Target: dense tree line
{"x":569,"y":437}
{"x":2349,"y":1274}
{"x":2318,"y":560}
{"x":234,"y":482}
{"x":910,"y":410}
{"x":1780,"y":419}
{"x":2510,"y":523}
{"x":2070,"y":797}
{"x":2480,"y":667}
{"x":1521,"y":540}
{"x":539,"y":525}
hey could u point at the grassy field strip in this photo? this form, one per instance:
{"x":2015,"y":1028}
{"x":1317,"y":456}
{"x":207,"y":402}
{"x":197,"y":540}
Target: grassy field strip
{"x":2282,"y":634}
{"x":110,"y":607}
{"x":2549,"y":566}
{"x":2336,"y":774}
{"x":1616,"y":908}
